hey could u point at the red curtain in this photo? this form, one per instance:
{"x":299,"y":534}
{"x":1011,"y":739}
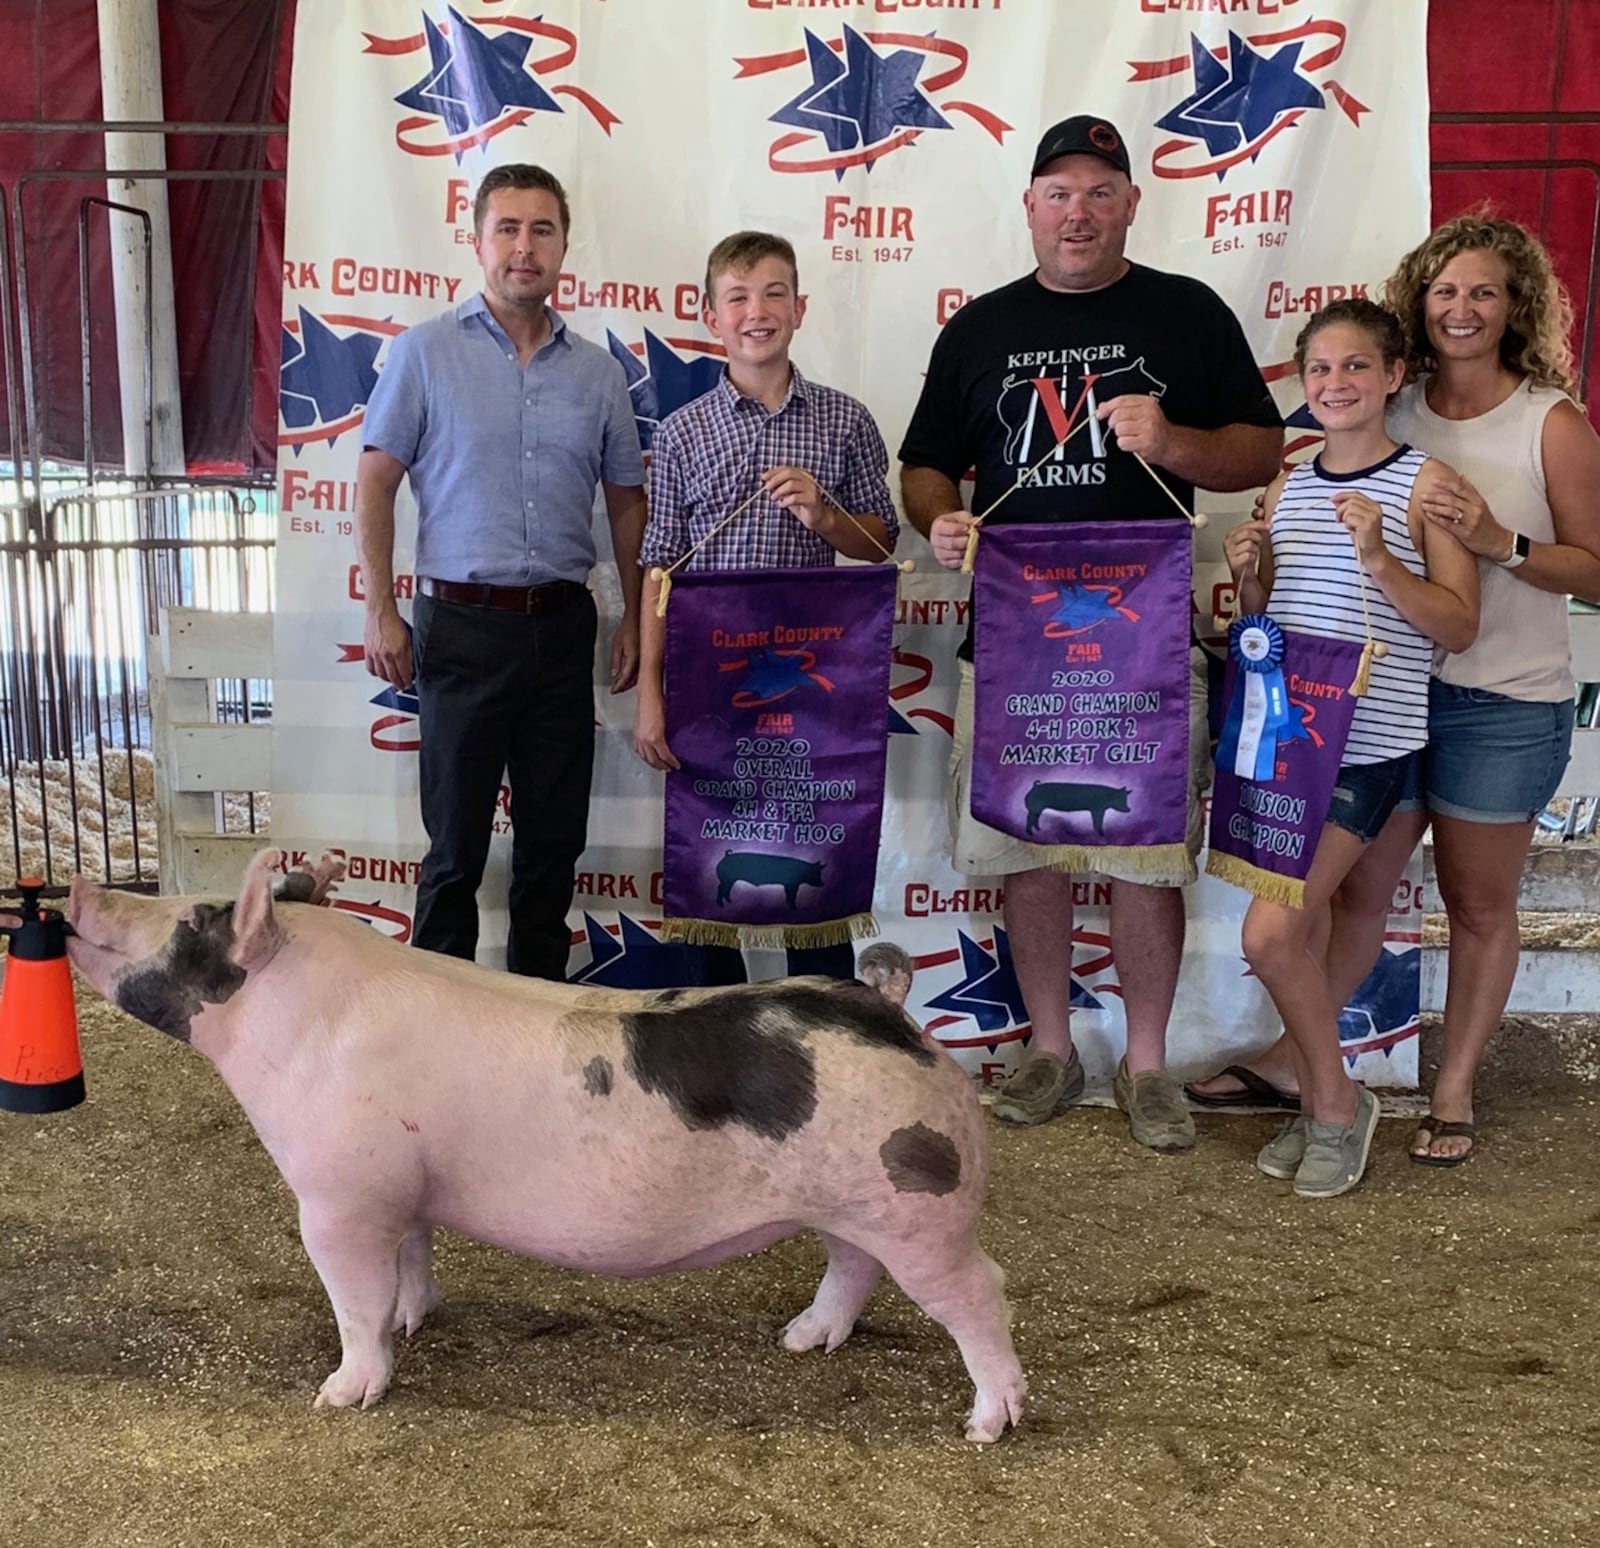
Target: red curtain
{"x":220,"y":63}
{"x":1549,"y":67}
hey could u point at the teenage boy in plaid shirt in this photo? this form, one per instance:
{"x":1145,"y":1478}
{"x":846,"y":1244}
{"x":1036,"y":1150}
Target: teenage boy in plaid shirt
{"x":763,"y":427}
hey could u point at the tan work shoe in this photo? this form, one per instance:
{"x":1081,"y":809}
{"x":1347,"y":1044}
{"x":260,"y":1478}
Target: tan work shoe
{"x":1336,"y":1157}
{"x":1281,"y":1156}
{"x":1041,"y":1088}
{"x":1156,"y":1111}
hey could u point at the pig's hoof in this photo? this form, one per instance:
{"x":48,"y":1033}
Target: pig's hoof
{"x":991,"y":1416}
{"x":812,"y":1330}
{"x":353,"y":1389}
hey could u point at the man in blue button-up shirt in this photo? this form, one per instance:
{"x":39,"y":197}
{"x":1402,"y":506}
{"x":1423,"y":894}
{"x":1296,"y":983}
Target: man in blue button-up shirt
{"x":505,"y":423}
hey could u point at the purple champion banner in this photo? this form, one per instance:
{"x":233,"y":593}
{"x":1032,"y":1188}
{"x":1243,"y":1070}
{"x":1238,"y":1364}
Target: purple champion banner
{"x":777,"y":690}
{"x":1289,"y":708}
{"x":1081,"y":705}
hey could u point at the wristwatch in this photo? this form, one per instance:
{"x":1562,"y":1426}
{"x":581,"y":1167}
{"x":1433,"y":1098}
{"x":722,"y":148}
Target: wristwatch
{"x":1519,"y":551}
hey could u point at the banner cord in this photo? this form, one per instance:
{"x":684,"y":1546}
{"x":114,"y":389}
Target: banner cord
{"x":1192,"y":517}
{"x":662,"y":576}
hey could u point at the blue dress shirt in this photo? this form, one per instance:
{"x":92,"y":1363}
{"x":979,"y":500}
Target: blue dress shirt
{"x":503,"y":459}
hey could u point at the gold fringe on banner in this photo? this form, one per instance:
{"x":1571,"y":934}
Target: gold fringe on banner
{"x":718,"y":932}
{"x":1162,"y":859}
{"x":1268,"y":885}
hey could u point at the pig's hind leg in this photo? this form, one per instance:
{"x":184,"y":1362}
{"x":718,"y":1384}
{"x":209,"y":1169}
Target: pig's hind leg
{"x":419,"y":1290}
{"x":851,"y":1278}
{"x":358,"y":1262}
{"x":962,"y":1288}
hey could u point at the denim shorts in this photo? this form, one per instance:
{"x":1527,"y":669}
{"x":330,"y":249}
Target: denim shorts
{"x":1492,"y":758}
{"x":1366,"y":795}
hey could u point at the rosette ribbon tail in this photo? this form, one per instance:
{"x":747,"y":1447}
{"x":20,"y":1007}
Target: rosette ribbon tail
{"x":1259,"y":707}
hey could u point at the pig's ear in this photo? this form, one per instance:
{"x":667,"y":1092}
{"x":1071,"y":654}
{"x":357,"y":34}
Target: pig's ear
{"x":256,"y":931}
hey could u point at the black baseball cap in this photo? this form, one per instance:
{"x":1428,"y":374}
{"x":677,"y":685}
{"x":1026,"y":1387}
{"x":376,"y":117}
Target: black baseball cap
{"x":1084,"y":135}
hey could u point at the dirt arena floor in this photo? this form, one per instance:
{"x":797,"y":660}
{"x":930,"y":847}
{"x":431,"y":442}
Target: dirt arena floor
{"x":1212,"y":1360}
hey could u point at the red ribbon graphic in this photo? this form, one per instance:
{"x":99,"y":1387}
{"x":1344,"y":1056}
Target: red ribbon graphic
{"x":1161,"y":166}
{"x":1155,"y":69}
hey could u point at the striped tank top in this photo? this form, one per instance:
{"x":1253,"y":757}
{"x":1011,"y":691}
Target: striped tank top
{"x":1316,"y":589}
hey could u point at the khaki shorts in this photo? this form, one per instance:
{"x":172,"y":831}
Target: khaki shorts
{"x":980,"y":850}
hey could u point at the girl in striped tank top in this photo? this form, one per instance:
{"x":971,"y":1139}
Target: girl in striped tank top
{"x":1356,"y":508}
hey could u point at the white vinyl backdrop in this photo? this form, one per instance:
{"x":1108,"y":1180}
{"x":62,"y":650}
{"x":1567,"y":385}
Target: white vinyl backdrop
{"x":1282,"y":154}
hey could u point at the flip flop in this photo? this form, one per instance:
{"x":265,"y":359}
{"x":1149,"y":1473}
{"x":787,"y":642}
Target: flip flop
{"x":1440,"y":1128}
{"x":1259,"y":1093}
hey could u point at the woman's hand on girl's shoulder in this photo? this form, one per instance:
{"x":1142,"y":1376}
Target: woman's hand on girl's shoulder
{"x":1451,"y":502}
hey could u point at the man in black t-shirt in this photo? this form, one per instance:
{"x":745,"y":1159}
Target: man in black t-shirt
{"x":1137,"y":361}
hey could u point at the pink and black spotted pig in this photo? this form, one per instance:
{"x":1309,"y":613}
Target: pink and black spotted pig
{"x":614,"y":1131}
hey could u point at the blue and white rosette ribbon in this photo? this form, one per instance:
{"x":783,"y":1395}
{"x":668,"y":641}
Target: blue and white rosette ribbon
{"x":1259,"y":708}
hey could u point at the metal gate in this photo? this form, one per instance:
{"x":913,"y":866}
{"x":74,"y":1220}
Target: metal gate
{"x":81,"y":587}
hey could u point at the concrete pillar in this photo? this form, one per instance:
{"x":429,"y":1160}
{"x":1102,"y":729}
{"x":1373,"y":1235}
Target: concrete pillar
{"x":130,"y":78}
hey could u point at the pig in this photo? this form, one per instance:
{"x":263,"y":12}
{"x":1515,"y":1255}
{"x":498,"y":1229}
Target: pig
{"x":618,"y":1131}
{"x":1097,"y":800}
{"x":763,"y":870}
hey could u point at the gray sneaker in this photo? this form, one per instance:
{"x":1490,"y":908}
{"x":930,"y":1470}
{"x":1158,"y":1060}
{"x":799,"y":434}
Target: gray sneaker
{"x":1281,"y":1156}
{"x":1043,"y":1087}
{"x":1157,"y":1113}
{"x":1336,"y":1157}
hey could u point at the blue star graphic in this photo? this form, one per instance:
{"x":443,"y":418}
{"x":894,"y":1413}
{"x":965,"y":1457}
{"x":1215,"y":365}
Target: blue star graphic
{"x":1233,"y":105}
{"x":637,"y":961}
{"x":989,"y":992}
{"x":474,"y":78}
{"x":402,"y":699}
{"x":826,"y":68}
{"x":324,"y":377}
{"x":1209,"y":74}
{"x":862,"y":100}
{"x":877,"y":93}
{"x":663,"y":381}
{"x":899,"y":725}
{"x":1387,"y":999}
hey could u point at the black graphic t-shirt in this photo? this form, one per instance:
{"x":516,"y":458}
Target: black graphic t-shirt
{"x":1013,"y":370}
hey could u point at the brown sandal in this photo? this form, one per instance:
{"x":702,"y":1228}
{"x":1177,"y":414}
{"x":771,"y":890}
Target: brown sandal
{"x":1440,"y":1128}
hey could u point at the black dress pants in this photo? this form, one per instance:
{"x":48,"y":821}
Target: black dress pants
{"x":504,"y":693}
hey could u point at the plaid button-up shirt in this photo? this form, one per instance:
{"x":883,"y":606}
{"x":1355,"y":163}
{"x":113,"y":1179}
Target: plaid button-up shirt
{"x":708,"y":457}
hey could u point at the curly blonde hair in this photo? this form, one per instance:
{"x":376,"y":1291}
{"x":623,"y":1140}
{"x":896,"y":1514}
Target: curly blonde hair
{"x":1536,"y":343}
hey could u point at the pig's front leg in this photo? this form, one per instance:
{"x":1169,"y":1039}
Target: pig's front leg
{"x":357,"y":1261}
{"x":419,"y":1290}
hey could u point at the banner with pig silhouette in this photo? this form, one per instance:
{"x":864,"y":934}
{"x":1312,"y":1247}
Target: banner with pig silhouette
{"x":777,"y":689}
{"x":1289,"y":707}
{"x":1081,"y":704}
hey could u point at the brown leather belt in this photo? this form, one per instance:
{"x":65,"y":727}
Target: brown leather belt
{"x":552,"y":597}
